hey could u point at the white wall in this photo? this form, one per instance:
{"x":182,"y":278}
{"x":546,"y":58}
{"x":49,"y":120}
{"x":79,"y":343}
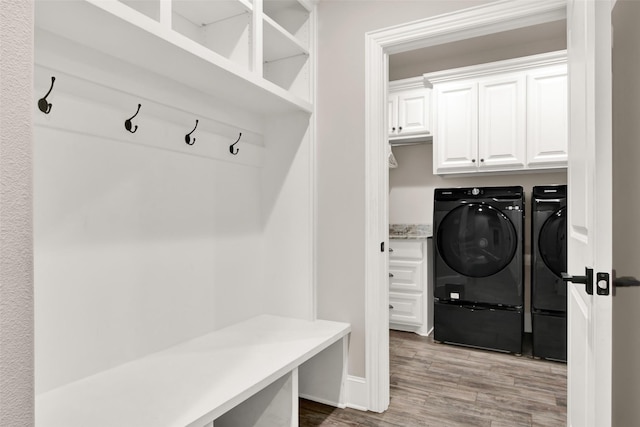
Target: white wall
{"x":287,"y":214}
{"x":16,"y":247}
{"x":340,"y":113}
{"x":142,"y":241}
{"x":626,"y":211}
{"x":138,"y":245}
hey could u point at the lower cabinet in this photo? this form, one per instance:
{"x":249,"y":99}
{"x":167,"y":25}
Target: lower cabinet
{"x":410,"y":291}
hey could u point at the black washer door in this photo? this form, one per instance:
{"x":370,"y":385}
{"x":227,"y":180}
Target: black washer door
{"x":476,"y":240}
{"x":552,"y":242}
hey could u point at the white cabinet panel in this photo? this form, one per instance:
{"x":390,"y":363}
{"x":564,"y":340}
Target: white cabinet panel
{"x":411,"y":249}
{"x":502,"y":115}
{"x":409,"y":114}
{"x":456,"y":127}
{"x":547,"y":133}
{"x":405,"y":308}
{"x":410,"y":297}
{"x":392,"y":105}
{"x":406,"y":275}
{"x":413,"y":117}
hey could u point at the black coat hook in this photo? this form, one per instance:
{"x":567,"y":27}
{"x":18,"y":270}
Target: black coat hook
{"x":231,"y":150}
{"x":127,"y":123}
{"x":187,"y":137}
{"x":43,"y":105}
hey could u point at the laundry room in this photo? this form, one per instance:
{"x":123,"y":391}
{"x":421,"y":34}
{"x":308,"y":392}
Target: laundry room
{"x":414,"y":174}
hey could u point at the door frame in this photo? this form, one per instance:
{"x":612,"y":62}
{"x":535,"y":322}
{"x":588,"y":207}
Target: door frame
{"x":477,"y":21}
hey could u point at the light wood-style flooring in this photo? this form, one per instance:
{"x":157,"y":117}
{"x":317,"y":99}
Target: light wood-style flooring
{"x":442,"y":385}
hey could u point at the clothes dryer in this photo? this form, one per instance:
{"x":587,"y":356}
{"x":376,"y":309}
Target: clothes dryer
{"x":548,"y":261}
{"x":478,"y":267}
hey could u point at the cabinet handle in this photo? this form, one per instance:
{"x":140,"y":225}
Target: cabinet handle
{"x":390,"y":307}
{"x":399,"y":128}
{"x":390,"y":274}
{"x":393,"y":129}
{"x":473,"y":160}
{"x":482,"y":160}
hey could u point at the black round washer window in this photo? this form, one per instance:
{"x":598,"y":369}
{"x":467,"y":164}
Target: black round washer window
{"x":552,"y":242}
{"x":476,"y":240}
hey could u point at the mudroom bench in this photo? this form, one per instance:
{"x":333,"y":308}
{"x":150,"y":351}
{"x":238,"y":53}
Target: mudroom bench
{"x":248,"y":374}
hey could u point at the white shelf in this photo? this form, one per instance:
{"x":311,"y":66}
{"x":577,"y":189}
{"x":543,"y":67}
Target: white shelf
{"x":195,"y":381}
{"x":274,"y":6}
{"x":149,"y":8}
{"x":279,"y":43}
{"x":146,"y":43}
{"x":292,"y":16}
{"x":208,"y":12}
{"x":222,"y":26}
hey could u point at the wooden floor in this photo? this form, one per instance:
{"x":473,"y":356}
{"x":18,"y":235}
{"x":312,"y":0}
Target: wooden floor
{"x":443,"y":385}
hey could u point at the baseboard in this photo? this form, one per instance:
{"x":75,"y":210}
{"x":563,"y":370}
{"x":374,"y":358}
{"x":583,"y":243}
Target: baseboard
{"x":323,"y":401}
{"x":410,"y":328}
{"x":357,"y":393}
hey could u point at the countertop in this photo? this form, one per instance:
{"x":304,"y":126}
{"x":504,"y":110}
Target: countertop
{"x":410,"y":231}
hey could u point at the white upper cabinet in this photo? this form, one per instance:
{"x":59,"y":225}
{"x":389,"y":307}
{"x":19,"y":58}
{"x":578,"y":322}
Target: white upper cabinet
{"x":409,"y":110}
{"x":254,"y":54}
{"x":502,"y":122}
{"x":504,"y":116}
{"x":456,"y":129}
{"x":547,"y":109}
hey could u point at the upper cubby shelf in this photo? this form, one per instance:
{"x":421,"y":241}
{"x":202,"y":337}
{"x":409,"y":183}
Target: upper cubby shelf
{"x":224,"y":26}
{"x":280,"y":44}
{"x":292,"y":16}
{"x":208,"y":45}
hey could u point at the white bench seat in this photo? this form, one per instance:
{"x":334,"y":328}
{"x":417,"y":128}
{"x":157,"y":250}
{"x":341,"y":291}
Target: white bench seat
{"x":196,"y":382}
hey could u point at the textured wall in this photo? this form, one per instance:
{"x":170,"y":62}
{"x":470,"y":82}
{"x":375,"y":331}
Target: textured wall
{"x":16,"y":272}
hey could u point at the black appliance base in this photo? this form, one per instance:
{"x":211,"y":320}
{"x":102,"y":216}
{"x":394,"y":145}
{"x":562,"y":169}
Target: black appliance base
{"x":488,"y":327}
{"x":549,"y":336}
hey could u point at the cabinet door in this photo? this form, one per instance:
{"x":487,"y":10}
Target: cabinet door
{"x":413,"y":112}
{"x":405,"y":308}
{"x":547,"y":117}
{"x":406,"y":275}
{"x":502,"y":122}
{"x":392,"y":113}
{"x":405,"y":249}
{"x":455,"y":139}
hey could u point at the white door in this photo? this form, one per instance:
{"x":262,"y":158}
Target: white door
{"x":589,"y":207}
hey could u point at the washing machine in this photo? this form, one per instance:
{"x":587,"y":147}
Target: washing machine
{"x":478,"y":267}
{"x":548,"y":261}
